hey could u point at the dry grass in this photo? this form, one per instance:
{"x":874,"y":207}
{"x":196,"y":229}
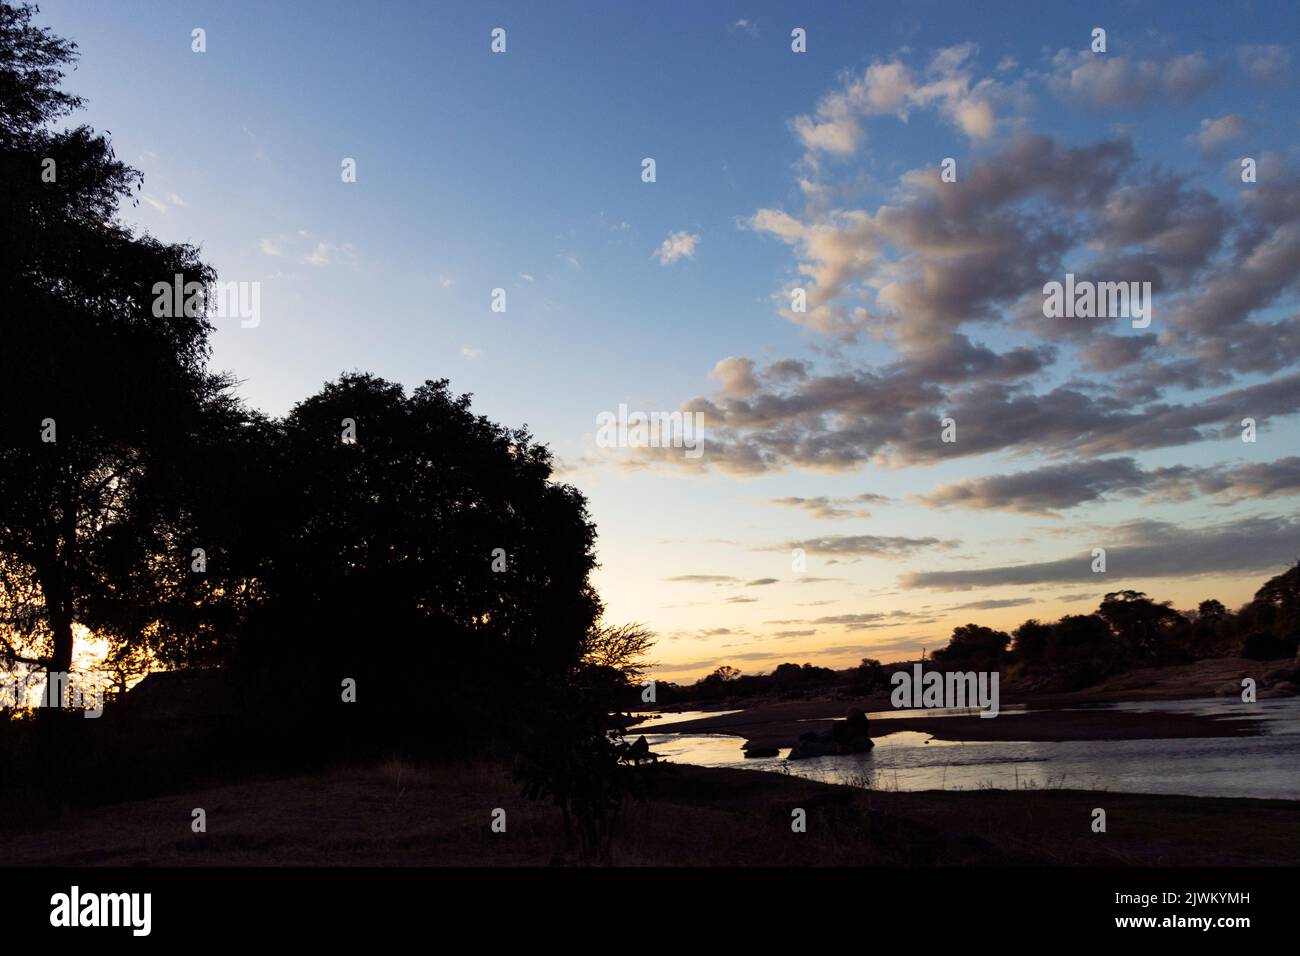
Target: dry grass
{"x":398,"y":813}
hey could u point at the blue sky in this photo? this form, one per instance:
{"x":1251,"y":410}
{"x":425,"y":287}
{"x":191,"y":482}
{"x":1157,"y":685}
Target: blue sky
{"x":522,"y":171}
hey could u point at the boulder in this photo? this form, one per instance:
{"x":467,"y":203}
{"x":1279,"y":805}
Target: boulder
{"x":847,"y":736}
{"x":640,"y":750}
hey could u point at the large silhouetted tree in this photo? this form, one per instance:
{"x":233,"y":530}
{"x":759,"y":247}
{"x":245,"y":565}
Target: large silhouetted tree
{"x":98,"y":395}
{"x":1276,"y":606}
{"x":1141,"y":625}
{"x":425,"y":552}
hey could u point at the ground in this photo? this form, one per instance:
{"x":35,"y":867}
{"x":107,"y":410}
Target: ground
{"x":397,"y":813}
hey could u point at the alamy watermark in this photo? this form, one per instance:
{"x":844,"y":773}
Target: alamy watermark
{"x":651,"y":430}
{"x":1085,"y":299}
{"x":946,"y":689}
{"x":55,"y":689}
{"x":223,"y":300}
{"x":75,"y":908}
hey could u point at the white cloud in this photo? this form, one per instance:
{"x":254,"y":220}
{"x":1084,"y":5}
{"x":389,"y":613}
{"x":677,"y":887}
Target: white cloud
{"x":678,"y":245}
{"x":162,"y":205}
{"x":947,"y":84}
{"x":328,"y":253}
{"x":1215,"y":132}
{"x":735,"y":376}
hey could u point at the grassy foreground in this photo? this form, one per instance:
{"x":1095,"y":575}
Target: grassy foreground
{"x":397,"y":813}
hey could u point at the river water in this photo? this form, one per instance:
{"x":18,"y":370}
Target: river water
{"x":1267,"y":765}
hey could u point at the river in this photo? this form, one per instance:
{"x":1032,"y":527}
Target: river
{"x":1267,"y":765}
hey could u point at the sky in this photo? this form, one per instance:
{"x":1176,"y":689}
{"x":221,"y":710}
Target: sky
{"x":826,"y":519}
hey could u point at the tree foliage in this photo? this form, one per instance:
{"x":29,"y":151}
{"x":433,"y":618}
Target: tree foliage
{"x":97,"y":393}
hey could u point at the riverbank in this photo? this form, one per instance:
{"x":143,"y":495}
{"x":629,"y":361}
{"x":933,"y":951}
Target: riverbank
{"x":1051,"y":717}
{"x":781,"y":724}
{"x":399,"y":814}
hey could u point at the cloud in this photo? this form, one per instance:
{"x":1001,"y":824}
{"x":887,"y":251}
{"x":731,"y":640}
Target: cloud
{"x":943,"y":283}
{"x":865,"y":545}
{"x":1215,"y":132}
{"x":328,"y":253}
{"x":1233,"y":483}
{"x":470,"y":352}
{"x":307,"y":249}
{"x":1142,"y":550}
{"x":170,"y":201}
{"x":1041,"y":490}
{"x":873,"y":620}
{"x":947,"y":84}
{"x":760,"y":582}
{"x":826,"y":509}
{"x":1120,"y":80}
{"x":703,"y":579}
{"x":1106,"y":352}
{"x":1265,"y":64}
{"x":992,"y":604}
{"x":735,"y":376}
{"x":678,"y":245}
{"x":942,"y":256}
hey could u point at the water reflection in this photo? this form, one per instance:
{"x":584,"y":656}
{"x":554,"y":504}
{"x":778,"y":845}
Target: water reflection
{"x":1259,"y":766}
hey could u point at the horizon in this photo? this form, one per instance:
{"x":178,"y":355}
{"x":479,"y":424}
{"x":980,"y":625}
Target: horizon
{"x":774,"y":171}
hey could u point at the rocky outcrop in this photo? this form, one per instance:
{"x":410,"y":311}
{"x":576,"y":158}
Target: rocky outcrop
{"x":848,"y":736}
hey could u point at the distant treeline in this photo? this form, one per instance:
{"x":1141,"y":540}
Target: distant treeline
{"x":1127,"y":630}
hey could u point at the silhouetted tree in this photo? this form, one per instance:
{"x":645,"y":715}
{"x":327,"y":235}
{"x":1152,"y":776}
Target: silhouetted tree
{"x":426,"y":554}
{"x":1142,"y":626}
{"x":1276,"y":606}
{"x":1030,"y":642}
{"x":1082,"y":649}
{"x":97,"y":393}
{"x":974,"y":646}
{"x":869,"y":677}
{"x":621,"y":649}
{"x":723,"y":674}
{"x":1211,"y":610}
